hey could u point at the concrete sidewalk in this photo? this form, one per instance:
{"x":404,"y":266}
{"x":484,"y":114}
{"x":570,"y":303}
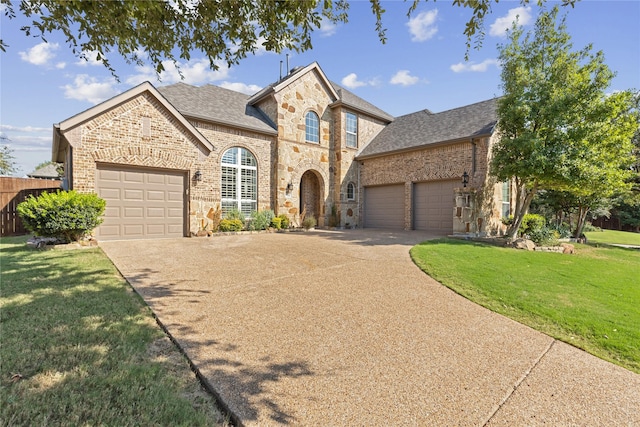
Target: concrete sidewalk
{"x":341,"y":328}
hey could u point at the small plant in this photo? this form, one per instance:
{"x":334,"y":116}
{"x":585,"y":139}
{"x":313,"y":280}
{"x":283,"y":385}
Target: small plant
{"x":309,"y":222}
{"x":215,"y":216}
{"x":261,"y":220}
{"x":276,"y":223}
{"x":67,"y":215}
{"x":284,"y":223}
{"x":231,"y":225}
{"x":544,"y":236}
{"x":531,"y":223}
{"x":235,"y":213}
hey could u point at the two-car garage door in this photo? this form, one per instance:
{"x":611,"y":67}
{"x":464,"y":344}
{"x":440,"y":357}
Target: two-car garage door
{"x":141,"y":203}
{"x":384,"y":206}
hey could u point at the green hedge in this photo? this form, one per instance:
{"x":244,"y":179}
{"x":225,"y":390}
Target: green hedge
{"x":66,"y":215}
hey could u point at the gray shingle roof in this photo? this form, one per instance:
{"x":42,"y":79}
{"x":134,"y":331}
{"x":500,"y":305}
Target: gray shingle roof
{"x":424,"y":128}
{"x":49,"y":171}
{"x":349,"y":99}
{"x":218,"y":105}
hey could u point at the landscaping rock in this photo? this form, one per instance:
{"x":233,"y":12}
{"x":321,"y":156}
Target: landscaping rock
{"x":524,"y":244}
{"x":568,"y":248}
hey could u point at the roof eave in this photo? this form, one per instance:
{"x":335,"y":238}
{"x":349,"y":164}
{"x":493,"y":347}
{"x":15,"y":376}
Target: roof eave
{"x":230,"y":124}
{"x":340,"y":103}
{"x":422,"y":147}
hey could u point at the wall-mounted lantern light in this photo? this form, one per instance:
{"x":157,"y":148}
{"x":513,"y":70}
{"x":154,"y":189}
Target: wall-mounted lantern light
{"x":197,"y":176}
{"x":465,"y":179}
{"x":289,"y":187}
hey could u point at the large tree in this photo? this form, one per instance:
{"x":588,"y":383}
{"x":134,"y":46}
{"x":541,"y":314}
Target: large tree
{"x":226,"y":30}
{"x":7,"y":161}
{"x":559,"y":128}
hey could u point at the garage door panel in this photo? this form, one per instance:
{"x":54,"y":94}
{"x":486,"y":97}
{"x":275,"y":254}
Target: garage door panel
{"x":384,"y":206}
{"x":140,"y":203}
{"x":433,"y":206}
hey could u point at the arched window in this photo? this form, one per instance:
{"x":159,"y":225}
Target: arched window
{"x":312,"y":126}
{"x":351,"y":191}
{"x":239,"y":181}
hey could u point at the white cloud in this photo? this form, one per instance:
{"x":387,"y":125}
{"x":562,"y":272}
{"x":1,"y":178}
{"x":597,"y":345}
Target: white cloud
{"x":423,"y":26}
{"x":404,"y":78}
{"x":504,"y":23}
{"x":89,"y":89}
{"x":11,"y":128}
{"x":195,"y":72}
{"x":327,"y":28}
{"x":61,"y":65}
{"x":40,"y":54}
{"x":241,"y":87}
{"x":462,"y":67}
{"x":351,"y":81}
{"x":90,"y":59}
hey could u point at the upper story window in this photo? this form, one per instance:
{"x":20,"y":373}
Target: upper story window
{"x":239,"y":187}
{"x":312,"y":126}
{"x":352,"y":130}
{"x":351,"y":191}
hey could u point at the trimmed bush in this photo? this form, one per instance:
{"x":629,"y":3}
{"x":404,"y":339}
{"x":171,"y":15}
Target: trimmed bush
{"x":231,"y":225}
{"x":235,"y":214}
{"x":66,"y":215}
{"x":276,"y":223}
{"x":261,"y":220}
{"x":309,"y":222}
{"x":532,"y":223}
{"x":284,"y":221}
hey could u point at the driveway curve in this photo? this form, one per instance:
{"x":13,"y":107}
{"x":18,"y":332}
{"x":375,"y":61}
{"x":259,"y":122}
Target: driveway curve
{"x":341,"y":328}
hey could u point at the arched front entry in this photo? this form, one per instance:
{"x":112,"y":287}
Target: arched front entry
{"x":311,"y":195}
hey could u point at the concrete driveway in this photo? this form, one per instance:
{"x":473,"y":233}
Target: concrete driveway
{"x":341,"y":328}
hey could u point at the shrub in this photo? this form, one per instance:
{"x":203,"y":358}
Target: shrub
{"x":544,"y":236}
{"x":261,"y":220}
{"x":276,"y":223}
{"x":67,"y":215}
{"x":231,"y":225}
{"x":285,"y":221}
{"x":563,"y":230}
{"x":235,"y":213}
{"x":309,"y":222}
{"x":531,"y":223}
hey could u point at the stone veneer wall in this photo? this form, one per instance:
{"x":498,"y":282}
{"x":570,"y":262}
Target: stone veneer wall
{"x":117,"y":137}
{"x":294,"y":155}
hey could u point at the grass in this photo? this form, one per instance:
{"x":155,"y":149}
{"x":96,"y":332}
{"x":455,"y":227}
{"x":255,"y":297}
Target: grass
{"x":590,"y":299}
{"x":79,"y":347}
{"x":611,"y":237}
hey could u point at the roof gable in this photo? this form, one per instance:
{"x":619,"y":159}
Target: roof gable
{"x":117,"y":100}
{"x":425,"y":128}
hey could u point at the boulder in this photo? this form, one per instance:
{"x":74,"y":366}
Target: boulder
{"x":524,"y":244}
{"x":568,"y":248}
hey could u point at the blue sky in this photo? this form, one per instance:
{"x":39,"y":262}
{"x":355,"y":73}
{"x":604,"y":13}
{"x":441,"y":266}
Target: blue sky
{"x":421,"y":66}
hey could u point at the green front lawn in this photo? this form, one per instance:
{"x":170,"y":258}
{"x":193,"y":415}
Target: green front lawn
{"x":590,"y":299}
{"x":79,"y":347}
{"x":612,"y":237}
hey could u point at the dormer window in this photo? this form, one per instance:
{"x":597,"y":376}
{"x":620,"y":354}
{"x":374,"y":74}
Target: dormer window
{"x":352,"y":130}
{"x":312,"y":126}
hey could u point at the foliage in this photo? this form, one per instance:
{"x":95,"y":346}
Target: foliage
{"x":284,"y":221}
{"x":276,"y":223}
{"x":559,"y":128}
{"x":231,"y":225}
{"x":261,"y":220}
{"x":235,"y":213}
{"x":586,"y":299}
{"x":64,"y":214}
{"x":531,"y":223}
{"x":7,"y":161}
{"x":79,"y":348}
{"x":224,"y":31}
{"x":309,"y":222}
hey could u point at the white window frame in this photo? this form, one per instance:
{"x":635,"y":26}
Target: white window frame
{"x":245,"y":192}
{"x":310,"y":129}
{"x":351,"y":186}
{"x":351,"y":133}
{"x":506,"y":199}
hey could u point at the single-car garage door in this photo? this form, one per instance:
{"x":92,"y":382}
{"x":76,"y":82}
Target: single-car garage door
{"x":433,"y":206}
{"x":141,"y":203}
{"x":384,"y":206}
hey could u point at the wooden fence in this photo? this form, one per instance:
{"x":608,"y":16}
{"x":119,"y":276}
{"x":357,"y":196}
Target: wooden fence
{"x":14,"y":191}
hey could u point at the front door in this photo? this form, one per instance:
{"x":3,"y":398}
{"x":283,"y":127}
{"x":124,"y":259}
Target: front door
{"x":310,"y":195}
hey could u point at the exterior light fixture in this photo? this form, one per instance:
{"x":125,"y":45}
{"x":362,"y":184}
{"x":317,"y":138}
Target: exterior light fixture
{"x":465,"y":179}
{"x":289,"y":187}
{"x":197,"y":176}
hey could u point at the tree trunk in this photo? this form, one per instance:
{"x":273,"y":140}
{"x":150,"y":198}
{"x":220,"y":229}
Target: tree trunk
{"x":582,"y":217}
{"x":523,"y":201}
